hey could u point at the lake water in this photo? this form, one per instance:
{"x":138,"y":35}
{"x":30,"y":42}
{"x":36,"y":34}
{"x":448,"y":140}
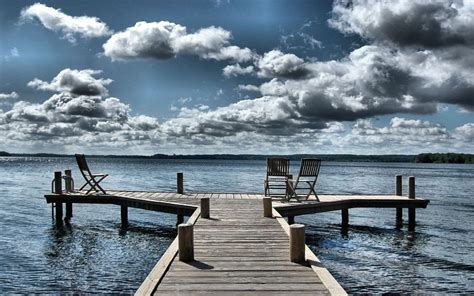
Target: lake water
{"x":94,"y":254}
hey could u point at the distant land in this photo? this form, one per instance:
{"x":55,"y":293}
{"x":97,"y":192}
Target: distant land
{"x":420,"y":158}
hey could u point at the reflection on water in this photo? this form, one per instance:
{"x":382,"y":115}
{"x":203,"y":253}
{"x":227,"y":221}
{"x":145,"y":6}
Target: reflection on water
{"x":95,"y":254}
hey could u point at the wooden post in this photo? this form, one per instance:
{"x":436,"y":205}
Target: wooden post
{"x":267,"y":207}
{"x":297,"y":243}
{"x":58,"y":189}
{"x":205,"y":208}
{"x":69,"y":188}
{"x":411,"y":211}
{"x":291,"y":220}
{"x":185,"y":242}
{"x":124,"y":215}
{"x":179,"y":183}
{"x":398,"y":192}
{"x":345,"y":218}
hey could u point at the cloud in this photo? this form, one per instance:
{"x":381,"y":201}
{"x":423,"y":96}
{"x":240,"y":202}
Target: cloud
{"x":79,"y":112}
{"x":77,"y":82}
{"x":428,"y":24}
{"x":70,"y":26}
{"x":236,"y":70}
{"x":6,"y":96}
{"x":248,"y":87}
{"x":277,"y":64}
{"x":164,"y":40}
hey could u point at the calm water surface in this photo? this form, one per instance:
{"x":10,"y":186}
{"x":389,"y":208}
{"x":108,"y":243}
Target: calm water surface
{"x":94,"y":254}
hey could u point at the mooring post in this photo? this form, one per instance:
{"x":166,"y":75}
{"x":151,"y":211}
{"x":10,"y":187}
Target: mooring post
{"x":205,"y":208}
{"x":58,"y":189}
{"x":185,"y":242}
{"x":179,"y":183}
{"x":411,"y":210}
{"x":69,"y":188}
{"x":267,"y":207}
{"x":297,"y":243}
{"x":345,"y":218}
{"x":124,"y":215}
{"x":291,"y":220}
{"x":398,"y":192}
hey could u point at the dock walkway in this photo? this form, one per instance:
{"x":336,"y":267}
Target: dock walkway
{"x":238,"y":251}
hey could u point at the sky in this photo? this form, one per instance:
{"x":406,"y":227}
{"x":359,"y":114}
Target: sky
{"x":259,"y":77}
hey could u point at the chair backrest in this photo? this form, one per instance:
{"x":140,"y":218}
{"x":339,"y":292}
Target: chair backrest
{"x":310,"y":167}
{"x":82,"y":164}
{"x":278,"y":167}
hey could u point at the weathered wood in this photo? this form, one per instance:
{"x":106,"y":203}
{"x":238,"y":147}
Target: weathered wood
{"x":297,"y":243}
{"x":267,"y":207}
{"x":179,"y":183}
{"x":186,"y":242}
{"x":58,"y":189}
{"x":345,"y":218}
{"x":124,"y":215}
{"x":205,"y":207}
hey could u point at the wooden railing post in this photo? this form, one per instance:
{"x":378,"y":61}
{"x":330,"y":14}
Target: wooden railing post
{"x":267,"y":207}
{"x":185,"y":242}
{"x":69,"y":188}
{"x":205,"y":208}
{"x":398,"y":192}
{"x":411,"y":210}
{"x":179,"y":183}
{"x":58,"y":189}
{"x":297,"y":243}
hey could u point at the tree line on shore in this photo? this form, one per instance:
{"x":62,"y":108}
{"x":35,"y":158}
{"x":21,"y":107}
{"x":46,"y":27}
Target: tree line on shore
{"x":420,"y":158}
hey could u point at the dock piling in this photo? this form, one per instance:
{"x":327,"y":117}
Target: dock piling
{"x":205,"y":208}
{"x":297,"y":243}
{"x":291,"y":220}
{"x":186,"y":242}
{"x":398,"y":192}
{"x":58,"y":189}
{"x":267,"y":207}
{"x":345,"y":218}
{"x":411,"y":211}
{"x":124,"y":215}
{"x":69,"y":188}
{"x":179,"y":183}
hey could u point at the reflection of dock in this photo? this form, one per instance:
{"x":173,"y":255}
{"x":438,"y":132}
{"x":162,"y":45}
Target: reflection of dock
{"x":236,"y":243}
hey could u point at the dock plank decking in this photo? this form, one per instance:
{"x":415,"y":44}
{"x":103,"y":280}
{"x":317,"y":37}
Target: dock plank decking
{"x":237,"y":251}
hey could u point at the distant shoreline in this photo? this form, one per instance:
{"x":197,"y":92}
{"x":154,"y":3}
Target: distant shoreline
{"x":419,"y":158}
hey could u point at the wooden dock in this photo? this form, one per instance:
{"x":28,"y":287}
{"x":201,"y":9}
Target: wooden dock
{"x":237,"y":251}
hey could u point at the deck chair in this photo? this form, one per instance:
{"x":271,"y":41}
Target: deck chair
{"x":306,"y":180}
{"x":277,"y":174}
{"x":92,"y":180}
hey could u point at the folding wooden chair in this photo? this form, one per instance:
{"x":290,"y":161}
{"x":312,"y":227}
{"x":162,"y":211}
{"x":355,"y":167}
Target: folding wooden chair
{"x":92,"y":180}
{"x":309,"y":172}
{"x":277,"y":174}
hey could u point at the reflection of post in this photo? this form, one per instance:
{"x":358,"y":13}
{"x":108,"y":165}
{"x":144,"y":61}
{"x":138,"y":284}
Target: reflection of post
{"x":185,"y":242}
{"x":179,"y":183}
{"x":398,"y":192}
{"x":69,"y":188}
{"x":58,"y":189}
{"x":297,"y":243}
{"x":411,"y":211}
